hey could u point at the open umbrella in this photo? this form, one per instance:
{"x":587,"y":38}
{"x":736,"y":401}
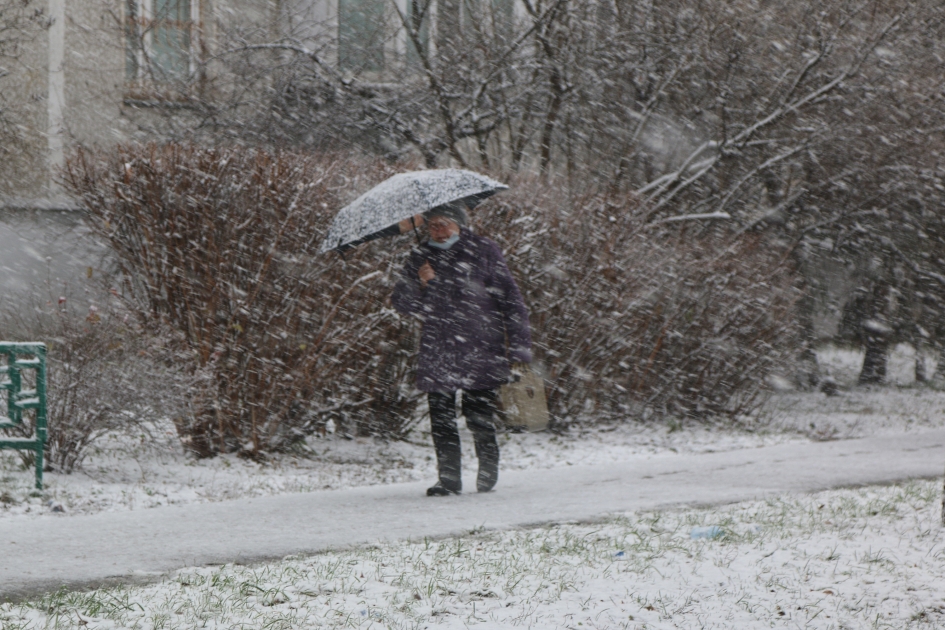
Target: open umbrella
{"x":400,"y":197}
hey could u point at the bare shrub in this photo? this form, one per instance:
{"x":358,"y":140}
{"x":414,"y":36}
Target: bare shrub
{"x":219,"y":245}
{"x":104,"y":375}
{"x":628,"y":315}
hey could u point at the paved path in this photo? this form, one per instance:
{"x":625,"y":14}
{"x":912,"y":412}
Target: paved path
{"x":82,"y":551}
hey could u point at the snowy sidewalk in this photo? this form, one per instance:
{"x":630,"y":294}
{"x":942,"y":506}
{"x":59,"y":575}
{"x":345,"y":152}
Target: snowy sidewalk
{"x":75,"y":551}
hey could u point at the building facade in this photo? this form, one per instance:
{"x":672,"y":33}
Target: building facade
{"x":99,"y":72}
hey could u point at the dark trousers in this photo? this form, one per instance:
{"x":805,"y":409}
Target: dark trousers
{"x":479,"y":406}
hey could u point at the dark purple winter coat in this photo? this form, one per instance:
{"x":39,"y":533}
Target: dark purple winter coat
{"x":468,"y":311}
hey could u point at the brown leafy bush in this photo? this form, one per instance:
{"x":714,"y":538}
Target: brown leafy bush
{"x":220,"y":246}
{"x":630,"y":316}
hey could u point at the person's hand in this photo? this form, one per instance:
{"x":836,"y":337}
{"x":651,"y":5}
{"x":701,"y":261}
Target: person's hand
{"x":426,"y":274}
{"x":518,"y":371}
{"x":406,"y":225}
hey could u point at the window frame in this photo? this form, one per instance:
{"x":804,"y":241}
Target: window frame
{"x":144,"y":78}
{"x":368,"y":45}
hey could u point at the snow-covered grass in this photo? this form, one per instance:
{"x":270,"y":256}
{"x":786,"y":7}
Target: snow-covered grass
{"x":123,"y":473}
{"x":135,"y":472}
{"x":860,"y":411}
{"x":865,"y":558}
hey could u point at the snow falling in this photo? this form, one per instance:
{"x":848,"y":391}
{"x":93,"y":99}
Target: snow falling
{"x":723,"y":218}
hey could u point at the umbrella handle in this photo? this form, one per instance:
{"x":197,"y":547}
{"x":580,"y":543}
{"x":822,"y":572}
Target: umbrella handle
{"x":416,"y":232}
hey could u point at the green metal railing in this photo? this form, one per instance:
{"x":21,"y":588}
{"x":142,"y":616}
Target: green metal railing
{"x":15,"y":358}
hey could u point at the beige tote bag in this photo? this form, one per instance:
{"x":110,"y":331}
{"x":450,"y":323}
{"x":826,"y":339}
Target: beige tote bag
{"x":523,"y":404}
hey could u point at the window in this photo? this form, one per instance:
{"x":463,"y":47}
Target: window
{"x":460,"y":23}
{"x":159,"y":40}
{"x":418,"y":16}
{"x":503,"y":16}
{"x":361,"y":35}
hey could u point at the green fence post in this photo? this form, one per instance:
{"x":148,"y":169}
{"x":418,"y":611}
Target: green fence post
{"x":19,"y":357}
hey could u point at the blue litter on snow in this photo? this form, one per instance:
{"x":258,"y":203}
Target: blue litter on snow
{"x":712,"y":531}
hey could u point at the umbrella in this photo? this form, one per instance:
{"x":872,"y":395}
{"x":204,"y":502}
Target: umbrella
{"x":401,"y":197}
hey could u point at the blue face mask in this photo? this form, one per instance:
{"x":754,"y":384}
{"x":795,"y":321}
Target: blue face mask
{"x":445,"y":244}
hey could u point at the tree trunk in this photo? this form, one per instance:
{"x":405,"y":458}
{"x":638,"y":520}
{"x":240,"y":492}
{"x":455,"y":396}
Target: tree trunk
{"x":808,"y":374}
{"x":921,"y":376}
{"x":551,"y":119}
{"x":940,"y":368}
{"x":876,"y":332}
{"x":874,"y":363}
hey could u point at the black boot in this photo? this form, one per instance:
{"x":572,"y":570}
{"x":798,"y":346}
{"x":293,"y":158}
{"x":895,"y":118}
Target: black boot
{"x":439,"y":490}
{"x":479,"y":407}
{"x":446,"y":443}
{"x":488,"y":454}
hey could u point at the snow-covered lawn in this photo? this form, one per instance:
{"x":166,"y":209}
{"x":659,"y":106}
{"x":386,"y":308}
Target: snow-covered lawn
{"x":128,"y":472}
{"x":125,"y":473}
{"x":866,"y":558}
{"x":122,"y":475}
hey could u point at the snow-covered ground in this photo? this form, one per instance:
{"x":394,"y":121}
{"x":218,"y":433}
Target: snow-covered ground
{"x":872,"y":557}
{"x":125,"y":472}
{"x":866,"y":558}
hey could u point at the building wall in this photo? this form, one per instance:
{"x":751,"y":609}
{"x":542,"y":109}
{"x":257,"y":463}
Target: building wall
{"x":43,"y":245}
{"x":90,"y":99}
{"x":94,"y":74}
{"x":45,"y":254}
{"x":23,"y":138}
{"x":97,"y":105}
{"x":100,"y":108}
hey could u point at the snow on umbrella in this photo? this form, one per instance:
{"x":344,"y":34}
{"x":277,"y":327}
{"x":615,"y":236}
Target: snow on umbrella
{"x":401,"y":197}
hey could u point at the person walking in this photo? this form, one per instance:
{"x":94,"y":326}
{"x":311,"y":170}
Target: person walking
{"x":475,"y":328}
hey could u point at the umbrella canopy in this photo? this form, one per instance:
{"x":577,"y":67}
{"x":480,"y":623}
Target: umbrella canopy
{"x":402,"y":196}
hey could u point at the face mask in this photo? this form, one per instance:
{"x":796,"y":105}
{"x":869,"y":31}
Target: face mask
{"x":445,"y":244}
